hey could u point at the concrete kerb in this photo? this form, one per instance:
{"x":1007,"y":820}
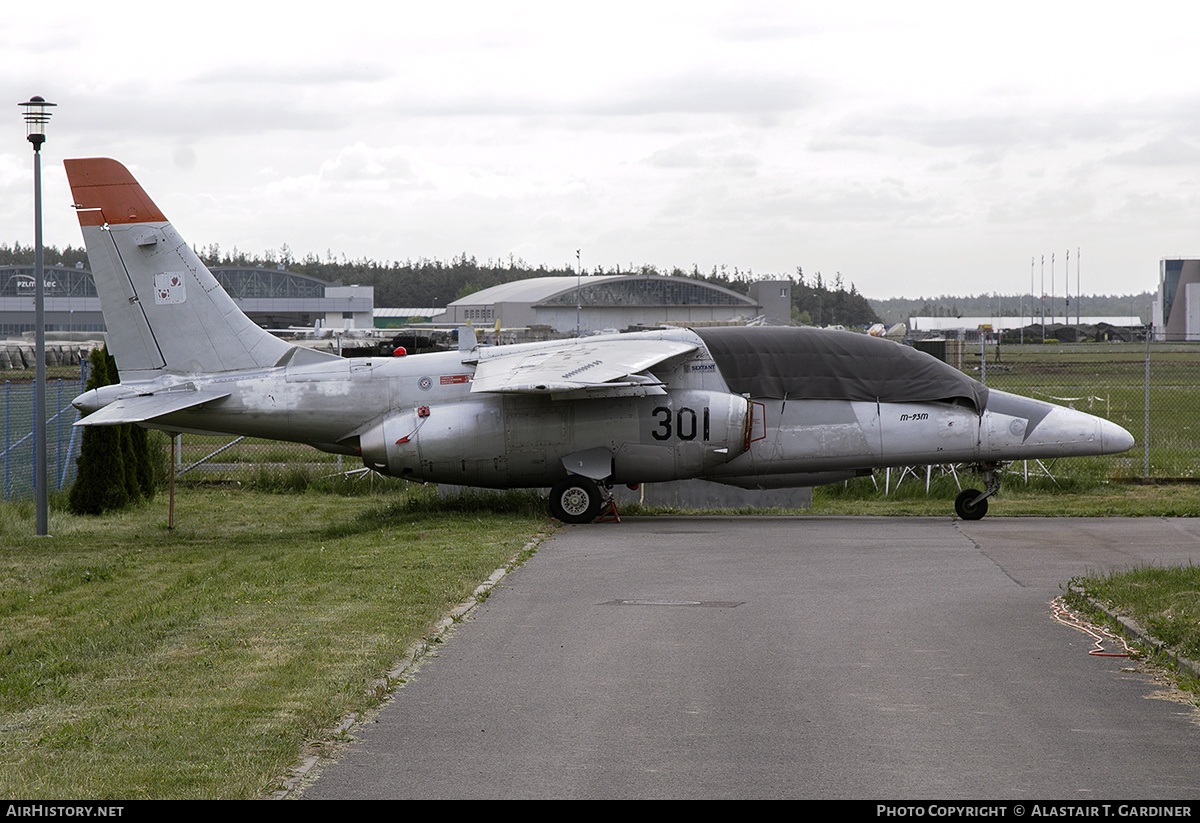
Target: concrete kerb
{"x":1133,"y":630}
{"x":386,"y":686}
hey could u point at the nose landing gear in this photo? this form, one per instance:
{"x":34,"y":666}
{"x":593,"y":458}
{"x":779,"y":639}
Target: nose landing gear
{"x":971,"y":504}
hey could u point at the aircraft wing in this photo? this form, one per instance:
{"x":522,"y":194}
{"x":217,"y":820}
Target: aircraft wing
{"x":139,"y":408}
{"x":604,"y":368}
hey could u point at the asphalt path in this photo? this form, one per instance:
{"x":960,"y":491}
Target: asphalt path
{"x":788,"y":657}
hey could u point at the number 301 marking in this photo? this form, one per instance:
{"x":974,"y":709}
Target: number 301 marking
{"x":685,"y":423}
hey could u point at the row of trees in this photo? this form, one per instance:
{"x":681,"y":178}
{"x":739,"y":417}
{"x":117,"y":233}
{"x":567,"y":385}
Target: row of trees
{"x":430,"y":283}
{"x":18,"y":255}
{"x":818,"y":305}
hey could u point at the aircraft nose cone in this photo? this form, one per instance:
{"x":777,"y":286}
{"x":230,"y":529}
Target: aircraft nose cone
{"x":1113,"y":438}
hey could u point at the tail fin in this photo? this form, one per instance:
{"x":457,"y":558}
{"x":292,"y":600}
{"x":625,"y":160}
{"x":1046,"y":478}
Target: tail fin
{"x":164,"y":310}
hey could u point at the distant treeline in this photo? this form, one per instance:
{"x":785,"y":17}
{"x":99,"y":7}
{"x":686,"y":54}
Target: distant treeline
{"x":430,"y":283}
{"x":17,"y":255}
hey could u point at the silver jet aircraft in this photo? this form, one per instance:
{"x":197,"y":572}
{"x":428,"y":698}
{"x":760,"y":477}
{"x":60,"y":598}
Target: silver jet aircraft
{"x":749,"y":407}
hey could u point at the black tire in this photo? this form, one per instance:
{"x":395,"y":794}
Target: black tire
{"x":963,"y":507}
{"x":575,"y":499}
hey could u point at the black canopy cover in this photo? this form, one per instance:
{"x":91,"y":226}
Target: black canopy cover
{"x":822,"y":364}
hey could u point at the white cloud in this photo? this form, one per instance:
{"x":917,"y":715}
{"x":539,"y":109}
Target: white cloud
{"x":913,"y":147}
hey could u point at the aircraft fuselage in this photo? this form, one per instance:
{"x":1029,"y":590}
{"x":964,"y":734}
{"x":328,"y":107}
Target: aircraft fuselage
{"x":416,"y":417}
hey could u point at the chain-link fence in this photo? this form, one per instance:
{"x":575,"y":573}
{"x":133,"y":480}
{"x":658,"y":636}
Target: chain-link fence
{"x":1150,"y":388}
{"x":250,"y":460}
{"x":62,"y":437}
{"x":1153,"y":390}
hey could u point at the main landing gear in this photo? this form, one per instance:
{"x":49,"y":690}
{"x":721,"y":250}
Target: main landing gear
{"x":578,"y":499}
{"x":971,"y":504}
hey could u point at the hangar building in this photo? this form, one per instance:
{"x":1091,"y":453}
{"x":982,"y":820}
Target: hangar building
{"x":616,"y":301}
{"x":273,"y":298}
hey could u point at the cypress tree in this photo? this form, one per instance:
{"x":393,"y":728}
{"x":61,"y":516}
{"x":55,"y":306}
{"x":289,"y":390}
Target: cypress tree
{"x":100,"y":482}
{"x":145,"y":467}
{"x":114,"y":461}
{"x":130,"y":459}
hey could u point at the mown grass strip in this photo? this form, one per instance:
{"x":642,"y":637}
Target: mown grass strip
{"x":1067,"y":496}
{"x":140,"y":663}
{"x":1164,"y":600}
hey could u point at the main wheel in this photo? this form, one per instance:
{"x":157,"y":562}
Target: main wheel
{"x":575,"y":499}
{"x":963,"y":507}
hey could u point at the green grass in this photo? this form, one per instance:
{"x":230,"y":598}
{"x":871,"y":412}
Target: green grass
{"x":1163,"y":600}
{"x":1084,"y":493}
{"x":1109,"y":380}
{"x":139,"y":663}
{"x":67,"y":374}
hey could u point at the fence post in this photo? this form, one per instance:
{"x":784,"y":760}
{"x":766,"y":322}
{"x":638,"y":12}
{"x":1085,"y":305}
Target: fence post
{"x":7,"y":437}
{"x":35,"y":438}
{"x":58,"y":444}
{"x":1146,"y":414}
{"x":83,"y":367}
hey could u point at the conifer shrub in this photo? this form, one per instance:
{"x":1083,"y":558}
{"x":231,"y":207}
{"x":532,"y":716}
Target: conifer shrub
{"x":115,"y":467}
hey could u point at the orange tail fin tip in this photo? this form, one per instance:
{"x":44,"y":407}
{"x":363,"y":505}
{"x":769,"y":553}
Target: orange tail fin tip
{"x":105,"y":192}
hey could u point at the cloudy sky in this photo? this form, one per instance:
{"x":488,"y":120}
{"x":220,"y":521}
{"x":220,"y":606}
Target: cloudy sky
{"x":917,"y":148}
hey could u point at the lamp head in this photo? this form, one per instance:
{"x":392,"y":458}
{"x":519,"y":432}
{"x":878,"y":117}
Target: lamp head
{"x":37,"y":115}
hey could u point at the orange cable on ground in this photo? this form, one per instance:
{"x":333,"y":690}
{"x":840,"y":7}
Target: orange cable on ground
{"x":1064,"y":615}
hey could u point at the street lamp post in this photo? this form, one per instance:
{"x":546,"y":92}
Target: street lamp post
{"x":37,"y":115}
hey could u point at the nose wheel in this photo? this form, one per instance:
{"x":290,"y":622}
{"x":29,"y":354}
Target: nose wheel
{"x":972,"y":504}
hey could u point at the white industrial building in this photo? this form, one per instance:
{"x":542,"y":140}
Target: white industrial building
{"x":1176,"y":310}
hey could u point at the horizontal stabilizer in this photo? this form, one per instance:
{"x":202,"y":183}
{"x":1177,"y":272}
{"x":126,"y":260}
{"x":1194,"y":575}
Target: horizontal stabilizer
{"x":573,"y":368}
{"x":143,"y":407}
